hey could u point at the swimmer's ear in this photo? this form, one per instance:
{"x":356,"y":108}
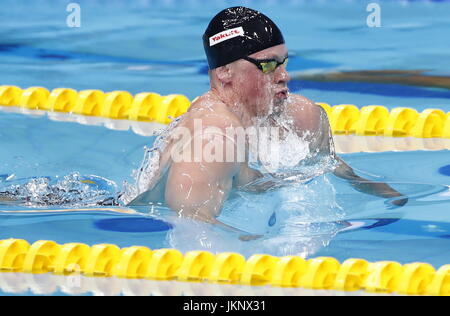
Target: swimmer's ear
{"x":224,"y":73}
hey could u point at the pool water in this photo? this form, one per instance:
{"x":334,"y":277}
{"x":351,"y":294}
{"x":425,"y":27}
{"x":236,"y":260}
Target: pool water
{"x":156,"y":46}
{"x":330,"y":217}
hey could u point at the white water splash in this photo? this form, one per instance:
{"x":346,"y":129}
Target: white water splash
{"x":73,"y":190}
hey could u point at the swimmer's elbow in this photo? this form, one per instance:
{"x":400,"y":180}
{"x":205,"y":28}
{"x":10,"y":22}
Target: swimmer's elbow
{"x":191,"y":199}
{"x":194,"y":211}
{"x":344,"y":171}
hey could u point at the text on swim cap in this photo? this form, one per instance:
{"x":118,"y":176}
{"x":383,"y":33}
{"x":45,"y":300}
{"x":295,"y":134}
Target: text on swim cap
{"x":226,"y":35}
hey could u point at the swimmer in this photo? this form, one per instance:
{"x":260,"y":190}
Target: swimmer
{"x":247,"y":59}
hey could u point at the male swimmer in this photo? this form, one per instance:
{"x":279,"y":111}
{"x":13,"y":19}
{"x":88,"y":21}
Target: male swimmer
{"x":247,"y":59}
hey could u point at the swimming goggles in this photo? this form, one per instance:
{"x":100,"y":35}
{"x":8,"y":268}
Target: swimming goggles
{"x":267,"y":65}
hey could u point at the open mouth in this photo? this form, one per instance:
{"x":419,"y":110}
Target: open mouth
{"x":283,"y":94}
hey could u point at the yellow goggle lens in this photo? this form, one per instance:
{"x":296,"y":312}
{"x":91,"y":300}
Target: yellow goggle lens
{"x":270,"y":66}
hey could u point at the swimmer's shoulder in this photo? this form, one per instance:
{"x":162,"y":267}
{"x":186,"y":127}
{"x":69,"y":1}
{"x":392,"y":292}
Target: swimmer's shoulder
{"x":300,"y":102}
{"x":213,"y":112}
{"x":305,"y":112}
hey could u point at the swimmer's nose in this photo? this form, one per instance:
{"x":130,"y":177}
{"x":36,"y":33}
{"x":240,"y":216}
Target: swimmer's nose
{"x":281,"y":75}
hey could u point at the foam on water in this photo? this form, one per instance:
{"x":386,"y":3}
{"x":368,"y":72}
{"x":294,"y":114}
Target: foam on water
{"x":149,"y":168}
{"x":72,"y":190}
{"x":292,"y":220}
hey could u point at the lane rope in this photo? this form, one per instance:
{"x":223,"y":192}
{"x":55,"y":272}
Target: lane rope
{"x":136,"y":262}
{"x":345,"y":119}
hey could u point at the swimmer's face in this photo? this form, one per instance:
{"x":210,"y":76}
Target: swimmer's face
{"x":260,"y":91}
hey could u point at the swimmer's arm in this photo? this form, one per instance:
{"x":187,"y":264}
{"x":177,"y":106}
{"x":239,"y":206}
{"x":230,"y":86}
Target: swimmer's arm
{"x":360,"y":184}
{"x":198,"y":191}
{"x":344,"y":171}
{"x":197,"y":188}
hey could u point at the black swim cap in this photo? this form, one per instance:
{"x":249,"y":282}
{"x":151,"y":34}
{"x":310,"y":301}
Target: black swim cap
{"x":238,"y":32}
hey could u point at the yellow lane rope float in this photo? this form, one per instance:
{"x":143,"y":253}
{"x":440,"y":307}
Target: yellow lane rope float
{"x":228,"y":268}
{"x":323,"y":273}
{"x":345,"y":119}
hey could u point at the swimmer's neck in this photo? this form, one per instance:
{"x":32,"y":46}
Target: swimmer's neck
{"x":236,"y":106}
{"x":232,"y":102}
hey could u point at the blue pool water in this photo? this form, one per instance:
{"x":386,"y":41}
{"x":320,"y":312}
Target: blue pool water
{"x":156,"y":46}
{"x":354,"y":225}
